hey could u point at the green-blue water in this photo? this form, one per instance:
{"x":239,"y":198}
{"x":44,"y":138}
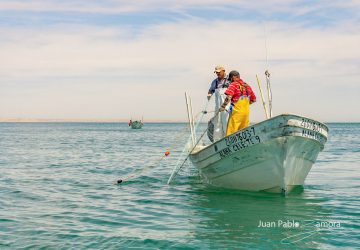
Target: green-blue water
{"x":57,"y":192}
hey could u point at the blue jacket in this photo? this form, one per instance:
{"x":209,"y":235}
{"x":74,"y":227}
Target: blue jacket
{"x":224,"y":83}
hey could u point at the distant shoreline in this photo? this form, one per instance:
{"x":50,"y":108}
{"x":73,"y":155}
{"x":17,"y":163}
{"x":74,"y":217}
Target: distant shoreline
{"x":33,"y":120}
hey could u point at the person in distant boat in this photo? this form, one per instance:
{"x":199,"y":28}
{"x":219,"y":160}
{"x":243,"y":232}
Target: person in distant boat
{"x":217,"y":88}
{"x":130,"y":122}
{"x":241,"y":96}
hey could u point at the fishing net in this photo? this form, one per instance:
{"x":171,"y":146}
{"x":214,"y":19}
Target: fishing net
{"x":188,"y":170}
{"x":210,"y":130}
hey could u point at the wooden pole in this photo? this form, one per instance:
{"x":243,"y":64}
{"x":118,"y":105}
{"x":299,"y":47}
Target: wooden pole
{"x":262,"y":98}
{"x":192,"y":119}
{"x":189,"y":118}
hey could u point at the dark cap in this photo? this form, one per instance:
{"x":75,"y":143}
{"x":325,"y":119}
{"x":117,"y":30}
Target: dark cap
{"x":233,"y":73}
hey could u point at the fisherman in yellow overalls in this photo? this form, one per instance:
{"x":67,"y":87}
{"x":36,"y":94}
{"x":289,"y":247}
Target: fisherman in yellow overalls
{"x":241,"y":96}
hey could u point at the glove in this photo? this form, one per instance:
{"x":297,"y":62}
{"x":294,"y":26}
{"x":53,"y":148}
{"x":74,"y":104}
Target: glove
{"x":209,"y":96}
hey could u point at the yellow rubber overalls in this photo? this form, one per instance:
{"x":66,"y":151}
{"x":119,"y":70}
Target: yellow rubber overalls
{"x":240,"y":111}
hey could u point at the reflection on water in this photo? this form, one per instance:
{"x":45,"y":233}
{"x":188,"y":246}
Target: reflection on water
{"x":231,"y":218}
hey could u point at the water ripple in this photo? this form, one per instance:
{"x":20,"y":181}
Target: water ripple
{"x":57,"y":192}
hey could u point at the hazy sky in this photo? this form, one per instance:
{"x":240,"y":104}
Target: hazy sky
{"x":119,"y":59}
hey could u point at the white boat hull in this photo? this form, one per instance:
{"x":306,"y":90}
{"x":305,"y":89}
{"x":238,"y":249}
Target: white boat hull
{"x":275,"y":155}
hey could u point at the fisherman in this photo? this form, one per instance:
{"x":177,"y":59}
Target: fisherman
{"x":218,"y":87}
{"x":241,"y":96}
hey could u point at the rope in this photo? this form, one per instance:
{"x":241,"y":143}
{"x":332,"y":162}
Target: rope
{"x":157,"y":162}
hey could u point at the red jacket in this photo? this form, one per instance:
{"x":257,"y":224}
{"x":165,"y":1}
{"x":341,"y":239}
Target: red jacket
{"x":236,"y":93}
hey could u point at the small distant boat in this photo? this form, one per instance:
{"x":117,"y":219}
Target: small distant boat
{"x":136,"y":124}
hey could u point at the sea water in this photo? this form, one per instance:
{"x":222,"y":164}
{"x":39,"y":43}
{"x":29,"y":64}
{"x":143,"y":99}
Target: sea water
{"x":57,"y":191}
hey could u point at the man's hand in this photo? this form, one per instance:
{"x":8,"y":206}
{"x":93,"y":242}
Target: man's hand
{"x":221,"y":109}
{"x":209,"y":96}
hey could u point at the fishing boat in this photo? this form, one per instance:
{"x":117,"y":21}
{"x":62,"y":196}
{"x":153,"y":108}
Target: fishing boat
{"x":274,"y":155}
{"x":136,"y":124}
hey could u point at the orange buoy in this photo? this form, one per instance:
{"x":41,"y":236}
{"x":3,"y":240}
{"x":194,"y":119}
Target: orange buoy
{"x":167,"y":153}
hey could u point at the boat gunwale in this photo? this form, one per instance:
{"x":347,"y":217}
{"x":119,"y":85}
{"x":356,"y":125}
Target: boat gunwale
{"x":265,"y":121}
{"x":258,"y":144}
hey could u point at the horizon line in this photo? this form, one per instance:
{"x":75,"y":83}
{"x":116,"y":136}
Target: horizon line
{"x":84,"y":120}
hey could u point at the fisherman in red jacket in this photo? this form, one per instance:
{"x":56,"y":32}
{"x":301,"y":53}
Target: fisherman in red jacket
{"x":241,"y":96}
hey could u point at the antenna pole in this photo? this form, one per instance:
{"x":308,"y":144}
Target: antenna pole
{"x":267,"y":75}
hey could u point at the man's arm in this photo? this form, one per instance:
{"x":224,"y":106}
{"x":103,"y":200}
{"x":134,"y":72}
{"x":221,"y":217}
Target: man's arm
{"x":211,"y":89}
{"x":252,"y":95}
{"x":226,"y":102}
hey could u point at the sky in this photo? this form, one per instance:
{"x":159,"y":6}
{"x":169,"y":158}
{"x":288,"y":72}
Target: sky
{"x":62,"y":59}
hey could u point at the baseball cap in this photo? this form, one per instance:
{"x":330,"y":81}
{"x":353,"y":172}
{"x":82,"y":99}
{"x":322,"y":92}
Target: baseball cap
{"x":219,"y":68}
